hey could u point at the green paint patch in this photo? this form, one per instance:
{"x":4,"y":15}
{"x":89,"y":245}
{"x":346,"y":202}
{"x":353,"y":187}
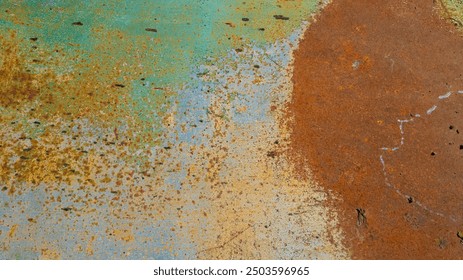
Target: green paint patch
{"x":454,"y":10}
{"x":170,"y":35}
{"x":119,"y":63}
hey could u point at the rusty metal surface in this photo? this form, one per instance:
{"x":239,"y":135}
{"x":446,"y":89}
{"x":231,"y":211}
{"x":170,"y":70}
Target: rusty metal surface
{"x":377,"y":105}
{"x":153,"y":130}
{"x":230,"y":129}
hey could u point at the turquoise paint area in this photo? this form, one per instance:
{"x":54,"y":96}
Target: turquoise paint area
{"x":188,"y":32}
{"x":113,"y":35}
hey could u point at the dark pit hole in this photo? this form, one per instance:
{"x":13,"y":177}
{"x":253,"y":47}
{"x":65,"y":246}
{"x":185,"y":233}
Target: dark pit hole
{"x":281,"y":17}
{"x":433,"y":153}
{"x":271,"y":154}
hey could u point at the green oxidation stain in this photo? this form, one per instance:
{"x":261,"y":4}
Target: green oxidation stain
{"x":183,"y":31}
{"x":114,"y":59}
{"x":455,"y":9}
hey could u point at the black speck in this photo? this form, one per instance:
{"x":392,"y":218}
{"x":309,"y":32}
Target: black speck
{"x":410,"y":199}
{"x":261,"y":29}
{"x":33,"y":39}
{"x":4,"y":188}
{"x":120,"y":85}
{"x":361,"y":217}
{"x":245,"y":19}
{"x":167,"y":148}
{"x":461,"y":147}
{"x":451,"y":127}
{"x":151,"y":29}
{"x":66,"y":209}
{"x":238,"y":50}
{"x":281,"y":17}
{"x":78,"y":23}
{"x":256,"y":66}
{"x":271,"y":154}
{"x":433,"y":153}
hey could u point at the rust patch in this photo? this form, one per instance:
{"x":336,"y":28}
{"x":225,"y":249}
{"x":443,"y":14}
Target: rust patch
{"x":363,"y":67}
{"x":17,"y":85}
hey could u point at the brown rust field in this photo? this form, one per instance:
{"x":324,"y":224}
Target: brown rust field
{"x":377,"y":109}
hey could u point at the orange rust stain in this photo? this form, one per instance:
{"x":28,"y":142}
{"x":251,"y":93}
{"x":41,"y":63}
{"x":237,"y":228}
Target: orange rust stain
{"x":89,"y":249}
{"x":12,"y":231}
{"x":124,"y":235}
{"x":362,"y":66}
{"x":55,"y":99}
{"x":17,"y":86}
{"x":49,"y":254}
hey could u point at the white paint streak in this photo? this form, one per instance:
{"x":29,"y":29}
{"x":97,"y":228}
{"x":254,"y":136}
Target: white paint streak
{"x":447,"y":95}
{"x":402,"y":142}
{"x":432,"y":109}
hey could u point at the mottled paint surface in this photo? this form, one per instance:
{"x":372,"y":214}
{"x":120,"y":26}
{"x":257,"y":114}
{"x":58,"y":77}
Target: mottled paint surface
{"x":453,"y":11}
{"x":153,"y":130}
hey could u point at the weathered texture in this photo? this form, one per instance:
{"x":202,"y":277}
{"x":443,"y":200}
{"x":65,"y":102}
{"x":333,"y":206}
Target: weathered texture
{"x":374,"y":122}
{"x":153,"y":130}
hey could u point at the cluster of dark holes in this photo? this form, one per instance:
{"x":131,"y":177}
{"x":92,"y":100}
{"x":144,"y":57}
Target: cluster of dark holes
{"x":451,"y":127}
